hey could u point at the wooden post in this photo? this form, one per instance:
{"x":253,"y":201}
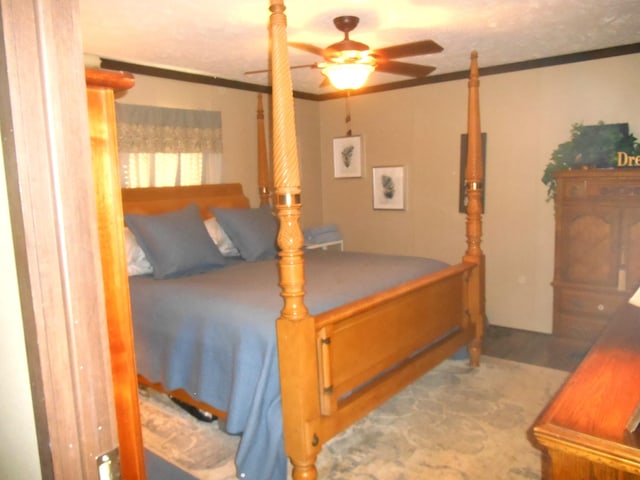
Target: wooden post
{"x":263,"y":163}
{"x":474,"y":177}
{"x":295,"y":327}
{"x":104,"y":152}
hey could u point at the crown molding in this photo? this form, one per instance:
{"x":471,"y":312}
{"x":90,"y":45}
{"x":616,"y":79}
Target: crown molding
{"x":414,"y":82}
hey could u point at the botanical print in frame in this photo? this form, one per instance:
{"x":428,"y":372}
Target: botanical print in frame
{"x":347,"y":157}
{"x":388,"y":188}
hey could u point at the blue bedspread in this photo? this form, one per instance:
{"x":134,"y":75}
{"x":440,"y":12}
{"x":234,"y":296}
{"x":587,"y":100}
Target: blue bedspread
{"x":213,"y":334}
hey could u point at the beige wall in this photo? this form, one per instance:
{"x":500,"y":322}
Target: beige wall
{"x":526,"y":115}
{"x":18,"y":444}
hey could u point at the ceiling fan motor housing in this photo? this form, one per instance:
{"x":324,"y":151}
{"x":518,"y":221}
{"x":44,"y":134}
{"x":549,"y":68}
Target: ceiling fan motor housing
{"x":345,"y":24}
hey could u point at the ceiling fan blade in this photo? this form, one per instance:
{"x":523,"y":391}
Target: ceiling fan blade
{"x":307,"y":47}
{"x":413,"y":49}
{"x":310,"y":65}
{"x":408,"y":69}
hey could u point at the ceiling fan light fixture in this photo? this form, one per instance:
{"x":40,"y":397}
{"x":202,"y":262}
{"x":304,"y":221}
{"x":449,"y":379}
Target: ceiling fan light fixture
{"x":347,"y":76}
{"x":347,"y":64}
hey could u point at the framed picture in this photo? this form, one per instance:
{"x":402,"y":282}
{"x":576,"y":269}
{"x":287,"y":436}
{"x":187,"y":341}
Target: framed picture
{"x":462,"y":202}
{"x":347,"y":157}
{"x":388,"y":188}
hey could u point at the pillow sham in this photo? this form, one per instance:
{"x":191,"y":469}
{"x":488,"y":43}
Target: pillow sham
{"x":220,"y":238}
{"x":252,"y":230}
{"x":137,"y":263}
{"x":175,"y":243}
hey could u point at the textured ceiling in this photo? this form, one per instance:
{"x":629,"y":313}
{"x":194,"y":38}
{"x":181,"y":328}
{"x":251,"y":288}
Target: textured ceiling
{"x":225,"y":39}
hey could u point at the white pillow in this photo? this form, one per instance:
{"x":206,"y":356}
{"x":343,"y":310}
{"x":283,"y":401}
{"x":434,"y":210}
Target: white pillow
{"x":137,"y":263}
{"x":220,"y":238}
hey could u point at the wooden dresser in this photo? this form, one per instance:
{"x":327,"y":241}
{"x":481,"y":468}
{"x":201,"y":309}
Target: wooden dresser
{"x":584,"y":427}
{"x":597,"y":248}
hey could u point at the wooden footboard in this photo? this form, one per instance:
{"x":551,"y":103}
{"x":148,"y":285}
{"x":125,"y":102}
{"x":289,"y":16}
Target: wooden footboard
{"x":369,"y":351}
{"x":365,"y":344}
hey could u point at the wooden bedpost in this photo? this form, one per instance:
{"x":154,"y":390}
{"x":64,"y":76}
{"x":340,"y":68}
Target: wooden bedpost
{"x":295,"y":327}
{"x":474,"y":177}
{"x":101,"y":85}
{"x":263,"y":164}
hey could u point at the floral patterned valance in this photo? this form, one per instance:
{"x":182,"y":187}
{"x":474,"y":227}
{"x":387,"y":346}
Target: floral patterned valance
{"x":145,"y":129}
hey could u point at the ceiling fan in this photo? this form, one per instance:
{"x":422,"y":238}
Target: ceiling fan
{"x":357,"y":55}
{"x":347,"y":64}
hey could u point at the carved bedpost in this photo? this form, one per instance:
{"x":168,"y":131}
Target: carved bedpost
{"x":263,"y":164}
{"x":295,"y":327}
{"x":474,"y":177}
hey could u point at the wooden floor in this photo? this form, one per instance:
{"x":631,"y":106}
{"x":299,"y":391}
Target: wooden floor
{"x":534,"y":348}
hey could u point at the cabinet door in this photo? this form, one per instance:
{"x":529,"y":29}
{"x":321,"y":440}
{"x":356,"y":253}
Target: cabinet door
{"x":588,"y":245}
{"x":631,"y":247}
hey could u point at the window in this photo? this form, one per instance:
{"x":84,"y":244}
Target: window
{"x":165,"y":146}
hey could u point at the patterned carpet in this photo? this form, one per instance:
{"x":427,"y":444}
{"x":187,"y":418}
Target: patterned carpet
{"x":455,"y":423}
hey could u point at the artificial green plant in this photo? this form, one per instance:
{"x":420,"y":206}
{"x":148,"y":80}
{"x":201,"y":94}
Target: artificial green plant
{"x":589,"y":147}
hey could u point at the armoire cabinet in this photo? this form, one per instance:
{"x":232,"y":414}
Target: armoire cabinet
{"x":597,"y":248}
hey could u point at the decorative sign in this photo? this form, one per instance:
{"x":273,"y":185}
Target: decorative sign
{"x":626,"y":160}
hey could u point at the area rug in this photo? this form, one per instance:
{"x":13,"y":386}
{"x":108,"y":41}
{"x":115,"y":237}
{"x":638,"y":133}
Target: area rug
{"x":454,"y":423}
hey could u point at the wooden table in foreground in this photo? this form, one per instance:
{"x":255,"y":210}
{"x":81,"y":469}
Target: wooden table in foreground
{"x":584,"y":427}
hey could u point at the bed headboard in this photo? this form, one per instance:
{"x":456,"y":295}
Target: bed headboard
{"x":155,"y":200}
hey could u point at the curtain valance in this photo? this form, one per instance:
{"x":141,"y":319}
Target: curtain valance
{"x":146,"y":129}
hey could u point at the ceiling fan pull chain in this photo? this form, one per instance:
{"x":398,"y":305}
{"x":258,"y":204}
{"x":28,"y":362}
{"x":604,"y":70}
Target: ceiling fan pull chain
{"x":347,"y":118}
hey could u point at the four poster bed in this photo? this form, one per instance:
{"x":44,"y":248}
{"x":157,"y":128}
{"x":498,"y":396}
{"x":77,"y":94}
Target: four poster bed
{"x":290,"y":384}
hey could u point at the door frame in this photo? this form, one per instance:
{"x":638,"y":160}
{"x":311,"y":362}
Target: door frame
{"x":50,"y":187}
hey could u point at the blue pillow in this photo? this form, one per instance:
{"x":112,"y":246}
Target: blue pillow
{"x":252,"y":230}
{"x":175,"y":243}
